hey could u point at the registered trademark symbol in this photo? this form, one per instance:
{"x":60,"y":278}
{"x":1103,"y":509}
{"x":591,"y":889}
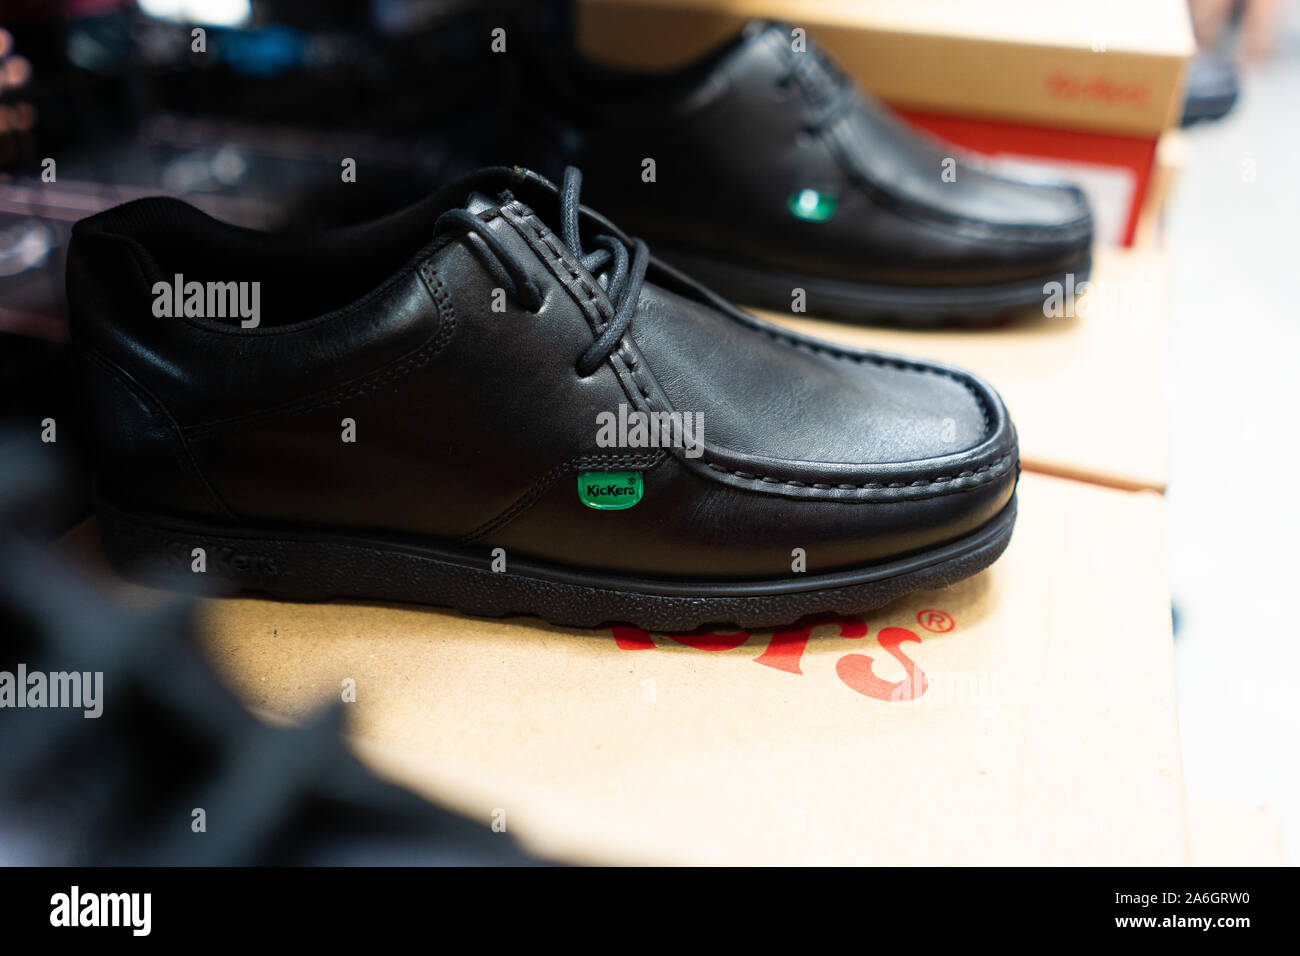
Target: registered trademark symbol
{"x":938,"y":622}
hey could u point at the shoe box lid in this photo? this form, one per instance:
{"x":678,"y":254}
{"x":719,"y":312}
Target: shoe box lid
{"x":1025,"y":715}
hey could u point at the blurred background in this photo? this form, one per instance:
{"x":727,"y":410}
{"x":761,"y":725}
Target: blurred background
{"x":251,"y":128}
{"x":1232,"y":246}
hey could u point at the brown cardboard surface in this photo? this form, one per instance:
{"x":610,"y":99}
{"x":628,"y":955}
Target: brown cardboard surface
{"x":1026,"y":715}
{"x":1087,"y":393}
{"x":1097,"y":65}
{"x":1223,"y":834}
{"x":1171,"y":159}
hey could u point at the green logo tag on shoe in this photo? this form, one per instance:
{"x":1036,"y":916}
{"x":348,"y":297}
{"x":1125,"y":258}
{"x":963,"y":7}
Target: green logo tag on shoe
{"x":811,"y":205}
{"x":610,"y":490}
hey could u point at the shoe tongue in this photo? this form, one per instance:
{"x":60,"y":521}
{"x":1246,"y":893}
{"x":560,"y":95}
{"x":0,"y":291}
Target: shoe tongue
{"x":812,"y":62}
{"x":478,"y":202}
{"x":756,"y":28}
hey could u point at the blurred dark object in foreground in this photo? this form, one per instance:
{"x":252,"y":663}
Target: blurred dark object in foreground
{"x":123,"y":787}
{"x":1212,"y":88}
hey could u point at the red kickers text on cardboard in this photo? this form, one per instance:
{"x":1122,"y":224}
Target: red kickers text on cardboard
{"x":785,"y":651}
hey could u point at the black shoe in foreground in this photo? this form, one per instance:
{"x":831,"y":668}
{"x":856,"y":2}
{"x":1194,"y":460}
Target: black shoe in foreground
{"x":772,"y":173}
{"x":461,"y":405}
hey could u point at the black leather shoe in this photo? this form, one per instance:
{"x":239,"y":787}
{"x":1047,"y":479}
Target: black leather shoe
{"x":773,"y":173}
{"x":441,"y":407}
{"x":1212,"y":88}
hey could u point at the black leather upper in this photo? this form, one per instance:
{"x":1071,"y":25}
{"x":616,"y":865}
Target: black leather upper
{"x":734,"y":136}
{"x":471,"y":423}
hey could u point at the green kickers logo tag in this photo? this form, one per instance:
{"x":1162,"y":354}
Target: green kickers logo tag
{"x":811,"y":205}
{"x":610,"y":490}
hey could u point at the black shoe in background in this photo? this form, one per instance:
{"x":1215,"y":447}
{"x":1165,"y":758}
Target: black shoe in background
{"x":772,"y":172}
{"x":1212,"y":88}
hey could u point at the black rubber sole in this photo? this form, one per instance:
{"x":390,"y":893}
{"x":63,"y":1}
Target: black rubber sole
{"x":863,"y":303}
{"x":300,"y":566}
{"x":1207,"y":109}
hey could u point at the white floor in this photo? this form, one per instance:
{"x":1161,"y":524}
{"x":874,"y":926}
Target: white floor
{"x":1234,"y":495}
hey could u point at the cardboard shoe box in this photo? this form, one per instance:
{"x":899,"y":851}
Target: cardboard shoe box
{"x":1026,"y":715}
{"x":1083,"y":86}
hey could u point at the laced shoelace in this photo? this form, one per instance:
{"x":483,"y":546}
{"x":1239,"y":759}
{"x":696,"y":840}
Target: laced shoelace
{"x":829,"y":90}
{"x":624,"y":274}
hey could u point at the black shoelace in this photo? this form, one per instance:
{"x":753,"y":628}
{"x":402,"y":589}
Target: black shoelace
{"x":829,"y":90}
{"x":624,"y":274}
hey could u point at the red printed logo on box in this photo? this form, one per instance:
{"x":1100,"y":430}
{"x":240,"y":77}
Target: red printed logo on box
{"x":785,"y":650}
